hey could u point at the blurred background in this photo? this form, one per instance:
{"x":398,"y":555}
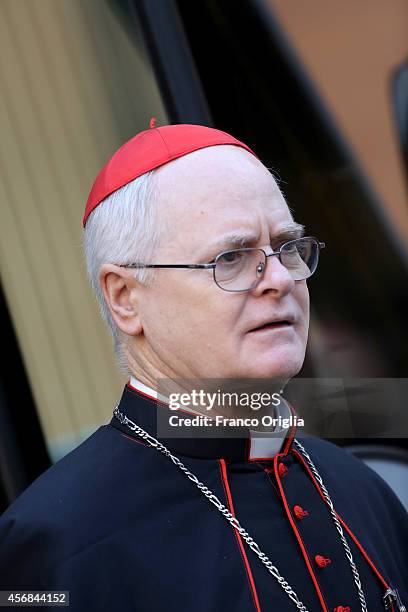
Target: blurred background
{"x":319,"y":89}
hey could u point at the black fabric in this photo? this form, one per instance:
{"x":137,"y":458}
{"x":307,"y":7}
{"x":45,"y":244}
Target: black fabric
{"x":121,"y":527}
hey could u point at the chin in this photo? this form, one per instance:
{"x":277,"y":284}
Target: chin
{"x":279,"y":373}
{"x":285,"y":367}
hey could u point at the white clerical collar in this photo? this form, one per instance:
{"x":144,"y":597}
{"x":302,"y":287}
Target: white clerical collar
{"x":264,"y":445}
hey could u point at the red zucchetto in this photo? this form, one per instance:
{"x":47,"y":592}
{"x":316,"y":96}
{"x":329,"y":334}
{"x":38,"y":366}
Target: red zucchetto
{"x":150,"y":149}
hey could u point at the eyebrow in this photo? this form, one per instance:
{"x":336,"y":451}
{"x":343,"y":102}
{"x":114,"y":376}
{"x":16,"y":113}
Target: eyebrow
{"x":241,"y":239}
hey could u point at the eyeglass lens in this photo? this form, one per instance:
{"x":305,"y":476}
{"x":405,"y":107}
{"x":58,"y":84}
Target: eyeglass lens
{"x":241,"y":269}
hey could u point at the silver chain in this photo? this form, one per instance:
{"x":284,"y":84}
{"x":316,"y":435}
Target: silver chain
{"x":214,"y":500}
{"x":234,"y":521}
{"x":349,"y":556}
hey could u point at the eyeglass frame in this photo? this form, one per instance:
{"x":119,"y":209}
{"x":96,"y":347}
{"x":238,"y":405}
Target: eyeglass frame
{"x":212,"y":265}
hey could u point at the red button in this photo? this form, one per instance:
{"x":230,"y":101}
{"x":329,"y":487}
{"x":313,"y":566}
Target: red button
{"x":282,"y":469}
{"x":342,"y":609}
{"x":322,"y":561}
{"x":299,"y":512}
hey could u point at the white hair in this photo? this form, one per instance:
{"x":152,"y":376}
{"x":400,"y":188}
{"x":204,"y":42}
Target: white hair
{"x":122,"y":229}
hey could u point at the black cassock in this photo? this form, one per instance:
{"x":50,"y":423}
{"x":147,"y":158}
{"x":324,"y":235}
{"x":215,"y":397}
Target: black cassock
{"x":121,"y":528}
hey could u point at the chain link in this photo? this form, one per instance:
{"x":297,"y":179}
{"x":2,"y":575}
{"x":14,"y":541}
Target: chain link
{"x":336,"y":521}
{"x":214,"y":500}
{"x":234,"y":521}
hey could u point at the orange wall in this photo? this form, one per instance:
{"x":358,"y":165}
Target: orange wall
{"x":350,"y":49}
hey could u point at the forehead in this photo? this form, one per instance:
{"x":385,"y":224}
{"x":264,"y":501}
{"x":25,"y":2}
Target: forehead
{"x":218,"y":189}
{"x":213,"y":176}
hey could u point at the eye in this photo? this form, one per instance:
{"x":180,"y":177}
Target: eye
{"x":230,"y":257}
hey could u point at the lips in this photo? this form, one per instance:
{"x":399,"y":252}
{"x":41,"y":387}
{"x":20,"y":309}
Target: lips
{"x":283,"y":322}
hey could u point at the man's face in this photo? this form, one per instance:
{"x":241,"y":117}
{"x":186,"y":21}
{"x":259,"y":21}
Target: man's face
{"x":191,"y":326}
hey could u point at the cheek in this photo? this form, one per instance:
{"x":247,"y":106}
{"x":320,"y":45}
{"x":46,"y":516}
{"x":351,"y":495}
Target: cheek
{"x":207,"y":322}
{"x":302,"y":299}
{"x":186,"y":309}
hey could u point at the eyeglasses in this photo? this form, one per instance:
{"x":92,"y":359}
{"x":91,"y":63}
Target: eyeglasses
{"x":242,"y":269}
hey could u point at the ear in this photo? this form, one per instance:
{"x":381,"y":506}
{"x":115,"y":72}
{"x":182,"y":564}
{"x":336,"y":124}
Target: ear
{"x":122,"y":296}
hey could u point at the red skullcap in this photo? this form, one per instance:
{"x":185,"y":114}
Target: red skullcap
{"x":150,"y":149}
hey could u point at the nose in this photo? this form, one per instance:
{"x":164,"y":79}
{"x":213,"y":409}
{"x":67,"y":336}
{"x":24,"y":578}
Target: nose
{"x":276,"y":278}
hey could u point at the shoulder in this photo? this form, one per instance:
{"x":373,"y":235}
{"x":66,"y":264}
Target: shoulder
{"x":54,"y":488}
{"x":76,"y":477}
{"x":371,"y":510}
{"x":352,"y":482}
{"x":70,"y":506}
{"x":340,"y":464}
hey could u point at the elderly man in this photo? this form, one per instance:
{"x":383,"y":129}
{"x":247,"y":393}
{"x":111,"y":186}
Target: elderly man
{"x":201,"y":273}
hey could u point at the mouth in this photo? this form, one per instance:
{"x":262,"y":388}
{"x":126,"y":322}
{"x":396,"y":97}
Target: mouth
{"x":272,"y":325}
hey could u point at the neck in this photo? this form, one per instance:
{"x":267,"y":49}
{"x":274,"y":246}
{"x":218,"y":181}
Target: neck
{"x":226,"y":397}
